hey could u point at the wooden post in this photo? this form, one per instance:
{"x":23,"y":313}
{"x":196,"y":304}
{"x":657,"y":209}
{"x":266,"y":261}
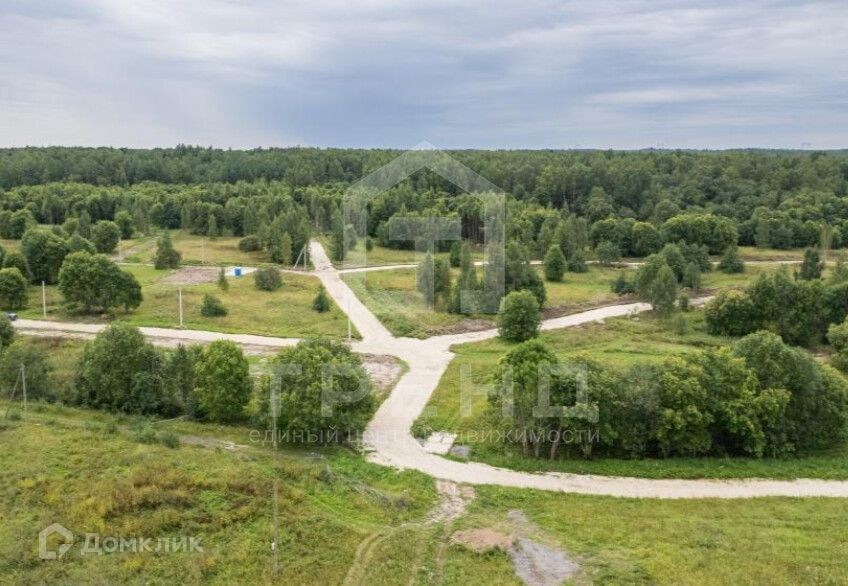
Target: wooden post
{"x":43,"y":300}
{"x":181,"y":306}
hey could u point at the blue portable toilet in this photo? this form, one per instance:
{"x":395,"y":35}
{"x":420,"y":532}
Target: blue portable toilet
{"x":237,"y":271}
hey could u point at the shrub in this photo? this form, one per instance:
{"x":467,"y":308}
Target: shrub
{"x":267,"y":279}
{"x":518,"y":318}
{"x":321,"y":303}
{"x":249,"y":244}
{"x":212,"y":307}
{"x":13,"y":289}
{"x":554,"y":264}
{"x":730,"y":261}
{"x":608,"y":253}
{"x":692,"y":277}
{"x":223,"y":283}
{"x":683,"y":302}
{"x":621,"y":286}
{"x":576,"y":262}
{"x":731,"y":313}
{"x":105,"y":236}
{"x":7,"y":331}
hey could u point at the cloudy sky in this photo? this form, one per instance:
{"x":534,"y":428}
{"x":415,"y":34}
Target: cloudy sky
{"x":485,"y":74}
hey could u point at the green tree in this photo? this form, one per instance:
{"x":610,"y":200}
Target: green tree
{"x":425,"y":278}
{"x":44,"y":253}
{"x":36,"y":368}
{"x":338,"y":243}
{"x":441,"y":278}
{"x":518,"y":318}
{"x":77,"y":243}
{"x":608,"y":253}
{"x":517,"y":382}
{"x":576,"y":263}
{"x":93,"y":284}
{"x":324,"y":391}
{"x":321,"y":303}
{"x":125,"y":223}
{"x":692,"y":277}
{"x":811,"y":267}
{"x":685,"y":420}
{"x":267,"y":279}
{"x":84,"y":225}
{"x":285,"y":250}
{"x":7,"y":331}
{"x":455,"y":253}
{"x":223,"y":283}
{"x":839,"y":274}
{"x":816,"y":416}
{"x":13,"y":289}
{"x":730,"y":261}
{"x":554,"y":264}
{"x":223,"y":384}
{"x":212,"y":230}
{"x":663,"y":290}
{"x":105,"y":236}
{"x":119,"y":371}
{"x":166,"y":256}
{"x":731,"y":313}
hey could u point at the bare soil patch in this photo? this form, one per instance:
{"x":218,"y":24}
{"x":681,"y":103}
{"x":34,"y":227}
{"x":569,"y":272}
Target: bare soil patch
{"x":482,"y":540}
{"x":192,"y":276}
{"x":383,"y":371}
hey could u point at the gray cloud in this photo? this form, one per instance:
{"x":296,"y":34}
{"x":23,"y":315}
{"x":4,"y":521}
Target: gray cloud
{"x":496,"y":74}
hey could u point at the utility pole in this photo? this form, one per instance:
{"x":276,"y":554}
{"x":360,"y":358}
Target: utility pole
{"x":275,"y":406}
{"x":181,"y":306}
{"x":43,"y":300}
{"x":203,"y":251}
{"x":23,"y":381}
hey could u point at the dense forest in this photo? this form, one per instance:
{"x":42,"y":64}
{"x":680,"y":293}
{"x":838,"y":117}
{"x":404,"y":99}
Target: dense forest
{"x":637,"y":200}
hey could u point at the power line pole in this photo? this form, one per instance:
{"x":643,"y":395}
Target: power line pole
{"x":275,"y":406}
{"x":181,"y":306}
{"x":43,"y":300}
{"x":23,"y":381}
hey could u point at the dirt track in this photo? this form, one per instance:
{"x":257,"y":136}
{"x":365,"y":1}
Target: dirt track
{"x":388,"y":435}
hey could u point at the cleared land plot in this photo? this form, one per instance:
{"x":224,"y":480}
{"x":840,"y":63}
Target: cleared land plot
{"x":286,"y":312}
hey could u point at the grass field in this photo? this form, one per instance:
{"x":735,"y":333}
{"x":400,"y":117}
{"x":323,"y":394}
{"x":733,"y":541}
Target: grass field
{"x":338,"y":516}
{"x":194,"y":248}
{"x":761,"y":541}
{"x":391,"y":295}
{"x":107,"y":475}
{"x":618,"y":343}
{"x":286,"y":312}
